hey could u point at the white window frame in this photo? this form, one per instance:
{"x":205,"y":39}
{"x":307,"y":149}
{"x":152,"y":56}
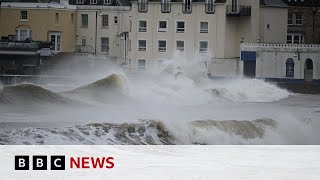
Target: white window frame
{"x":58,"y":45}
{"x":300,"y":35}
{"x":142,"y":49}
{"x":103,"y":20}
{"x":162,"y":29}
{"x":180,"y":49}
{"x":294,"y":19}
{"x":141,"y":68}
{"x":107,"y":2}
{"x":18,"y":34}
{"x":201,"y":50}
{"x":162,"y":49}
{"x":93,"y":1}
{"x":211,"y":8}
{"x":23,"y":17}
{"x":115,"y":18}
{"x":203,"y":31}
{"x":184,"y":29}
{"x":146,"y":28}
{"x":107,"y":46}
{"x":80,"y":1}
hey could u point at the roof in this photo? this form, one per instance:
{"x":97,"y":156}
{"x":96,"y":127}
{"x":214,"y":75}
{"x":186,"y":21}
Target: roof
{"x":36,"y":5}
{"x":273,"y":3}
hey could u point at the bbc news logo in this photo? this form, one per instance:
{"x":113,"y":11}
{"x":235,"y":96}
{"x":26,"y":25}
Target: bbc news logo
{"x":58,"y":162}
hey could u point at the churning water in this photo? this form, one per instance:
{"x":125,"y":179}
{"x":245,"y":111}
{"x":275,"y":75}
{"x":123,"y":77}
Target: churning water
{"x":176,"y":104}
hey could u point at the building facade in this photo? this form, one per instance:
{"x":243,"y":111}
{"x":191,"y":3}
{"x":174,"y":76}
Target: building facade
{"x":210,"y":28}
{"x":52,"y":22}
{"x":303,"y":21}
{"x":102,"y":28}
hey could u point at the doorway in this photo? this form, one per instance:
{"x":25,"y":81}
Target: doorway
{"x":308,"y":70}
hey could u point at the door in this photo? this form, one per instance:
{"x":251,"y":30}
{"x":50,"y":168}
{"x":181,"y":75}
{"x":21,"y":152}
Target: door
{"x":308,"y":70}
{"x":55,"y":39}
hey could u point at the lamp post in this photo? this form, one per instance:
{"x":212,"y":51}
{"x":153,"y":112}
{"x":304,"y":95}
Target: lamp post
{"x":124,"y":36}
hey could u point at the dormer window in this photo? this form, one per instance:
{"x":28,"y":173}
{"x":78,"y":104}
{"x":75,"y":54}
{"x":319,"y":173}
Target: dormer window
{"x":93,"y":1}
{"x":80,"y":1}
{"x":187,"y":6}
{"x":165,"y":6}
{"x":107,"y":1}
{"x":209,"y":6}
{"x":143,"y":6}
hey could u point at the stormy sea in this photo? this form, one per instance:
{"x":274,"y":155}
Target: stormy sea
{"x":175,"y":104}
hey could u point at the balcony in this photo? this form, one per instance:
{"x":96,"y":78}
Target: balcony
{"x":186,"y":8}
{"x":84,"y":49}
{"x":143,"y":7}
{"x":19,"y":45}
{"x":237,"y":11}
{"x":166,"y":7}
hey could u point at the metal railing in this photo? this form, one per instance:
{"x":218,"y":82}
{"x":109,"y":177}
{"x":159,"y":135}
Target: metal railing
{"x":19,"y":45}
{"x":186,"y":8}
{"x":239,"y":10}
{"x":143,"y":7}
{"x":84,"y":49}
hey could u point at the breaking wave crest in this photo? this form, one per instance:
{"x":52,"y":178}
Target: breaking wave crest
{"x":150,"y":132}
{"x":29,"y":94}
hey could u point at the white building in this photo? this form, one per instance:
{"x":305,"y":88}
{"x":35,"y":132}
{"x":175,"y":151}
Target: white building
{"x":282,"y":62}
{"x":102,"y":28}
{"x":159,"y":28}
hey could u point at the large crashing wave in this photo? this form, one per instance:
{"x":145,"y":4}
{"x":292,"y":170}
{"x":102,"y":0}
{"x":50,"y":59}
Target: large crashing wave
{"x":29,"y":94}
{"x":145,"y":132}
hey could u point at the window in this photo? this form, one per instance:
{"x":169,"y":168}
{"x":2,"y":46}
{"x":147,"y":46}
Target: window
{"x":116,"y":19}
{"x":180,"y":26}
{"x":290,"y":68}
{"x":142,"y":26}
{"x":142,"y":6}
{"x":162,"y":26}
{"x":165,"y":6}
{"x":180,"y":46}
{"x":83,"y":42}
{"x":57,"y":18}
{"x":295,"y":38}
{"x":24,"y":15}
{"x":142,"y":45}
{"x":204,"y":27}
{"x":142,"y":64}
{"x":23,"y":34}
{"x":107,"y":1}
{"x":105,"y":45}
{"x":72,"y":19}
{"x":203,"y":46}
{"x":55,"y":39}
{"x":93,"y":1}
{"x":162,"y":46}
{"x":186,"y":6}
{"x":105,"y":21}
{"x":209,"y":6}
{"x":295,"y":18}
{"x":80,"y":1}
{"x":84,"y":20}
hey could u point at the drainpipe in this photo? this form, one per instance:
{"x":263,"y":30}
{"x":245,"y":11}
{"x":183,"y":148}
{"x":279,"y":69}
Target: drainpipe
{"x":96,"y":33}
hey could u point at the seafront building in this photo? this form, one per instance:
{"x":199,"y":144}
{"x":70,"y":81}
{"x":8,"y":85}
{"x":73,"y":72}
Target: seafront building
{"x":233,"y":37}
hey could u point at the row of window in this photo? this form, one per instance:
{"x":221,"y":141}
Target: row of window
{"x":180,"y":26}
{"x":162,"y":46}
{"x":186,"y":6}
{"x":94,"y":1}
{"x":104,"y":20}
{"x":104,"y":44}
{"x":24,"y":17}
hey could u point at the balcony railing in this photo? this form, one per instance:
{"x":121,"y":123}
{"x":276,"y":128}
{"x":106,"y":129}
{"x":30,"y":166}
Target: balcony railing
{"x":210,"y":8}
{"x":166,"y":7}
{"x":142,"y":7}
{"x":19,"y":46}
{"x":84,"y":49}
{"x":237,"y":11}
{"x":187,"y":8}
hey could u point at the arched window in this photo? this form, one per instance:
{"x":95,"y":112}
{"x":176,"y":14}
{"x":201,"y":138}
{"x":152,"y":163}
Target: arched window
{"x":290,"y":68}
{"x":309,"y":64}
